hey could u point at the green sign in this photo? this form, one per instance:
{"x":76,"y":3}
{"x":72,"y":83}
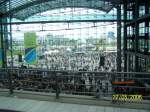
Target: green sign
{"x":30,"y":48}
{"x":29,"y":40}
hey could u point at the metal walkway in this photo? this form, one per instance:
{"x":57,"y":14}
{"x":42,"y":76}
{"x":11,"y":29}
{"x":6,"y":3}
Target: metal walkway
{"x":26,"y":105}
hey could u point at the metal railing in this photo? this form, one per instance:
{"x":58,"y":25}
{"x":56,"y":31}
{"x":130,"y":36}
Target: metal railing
{"x":93,"y":84}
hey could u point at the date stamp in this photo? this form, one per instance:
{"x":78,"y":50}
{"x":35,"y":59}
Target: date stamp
{"x":125,"y":97}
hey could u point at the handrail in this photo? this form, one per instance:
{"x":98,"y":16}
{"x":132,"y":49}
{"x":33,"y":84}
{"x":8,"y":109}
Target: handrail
{"x":89,"y":83}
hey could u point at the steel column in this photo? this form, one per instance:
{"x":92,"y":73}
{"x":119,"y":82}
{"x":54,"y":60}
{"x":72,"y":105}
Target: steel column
{"x":125,"y":36}
{"x":147,"y":27}
{"x":136,"y":69}
{"x":10,"y":34}
{"x":11,"y":50}
{"x":118,"y":38}
{"x":1,"y":39}
{"x":3,"y":43}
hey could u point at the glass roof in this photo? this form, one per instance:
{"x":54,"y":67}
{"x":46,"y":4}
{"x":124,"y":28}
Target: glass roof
{"x":22,"y":9}
{"x":69,"y":14}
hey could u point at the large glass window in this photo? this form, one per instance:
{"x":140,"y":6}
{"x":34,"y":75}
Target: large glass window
{"x":130,"y":31}
{"x":129,"y":15}
{"x":142,"y":45}
{"x":69,"y":45}
{"x":141,"y":11}
{"x":142,"y":29}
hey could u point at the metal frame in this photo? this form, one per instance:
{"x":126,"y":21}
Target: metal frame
{"x":20,"y":75}
{"x":36,"y":3}
{"x":136,"y":15}
{"x":119,"y":20}
{"x":119,"y":38}
{"x":3,"y":43}
{"x":65,"y":21}
{"x":125,"y":35}
{"x":136,"y":52}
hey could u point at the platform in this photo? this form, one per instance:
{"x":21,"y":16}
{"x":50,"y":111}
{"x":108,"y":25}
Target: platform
{"x":27,"y":105}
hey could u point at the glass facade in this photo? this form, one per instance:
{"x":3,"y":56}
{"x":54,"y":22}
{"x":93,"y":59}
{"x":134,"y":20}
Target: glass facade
{"x":69,"y":38}
{"x":138,"y":34}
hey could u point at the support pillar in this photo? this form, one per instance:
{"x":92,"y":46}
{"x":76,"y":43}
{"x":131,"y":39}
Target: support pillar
{"x":119,"y":38}
{"x":136,"y":35}
{"x":3,"y":43}
{"x":125,"y":36}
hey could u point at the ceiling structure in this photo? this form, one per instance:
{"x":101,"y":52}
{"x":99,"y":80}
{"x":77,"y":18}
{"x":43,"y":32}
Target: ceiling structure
{"x":22,"y":9}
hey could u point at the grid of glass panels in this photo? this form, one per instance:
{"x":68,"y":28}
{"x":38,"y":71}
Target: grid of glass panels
{"x":86,"y":40}
{"x":141,"y":36}
{"x":24,"y":8}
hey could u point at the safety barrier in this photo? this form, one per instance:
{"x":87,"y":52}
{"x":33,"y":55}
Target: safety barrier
{"x":115,"y":86}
